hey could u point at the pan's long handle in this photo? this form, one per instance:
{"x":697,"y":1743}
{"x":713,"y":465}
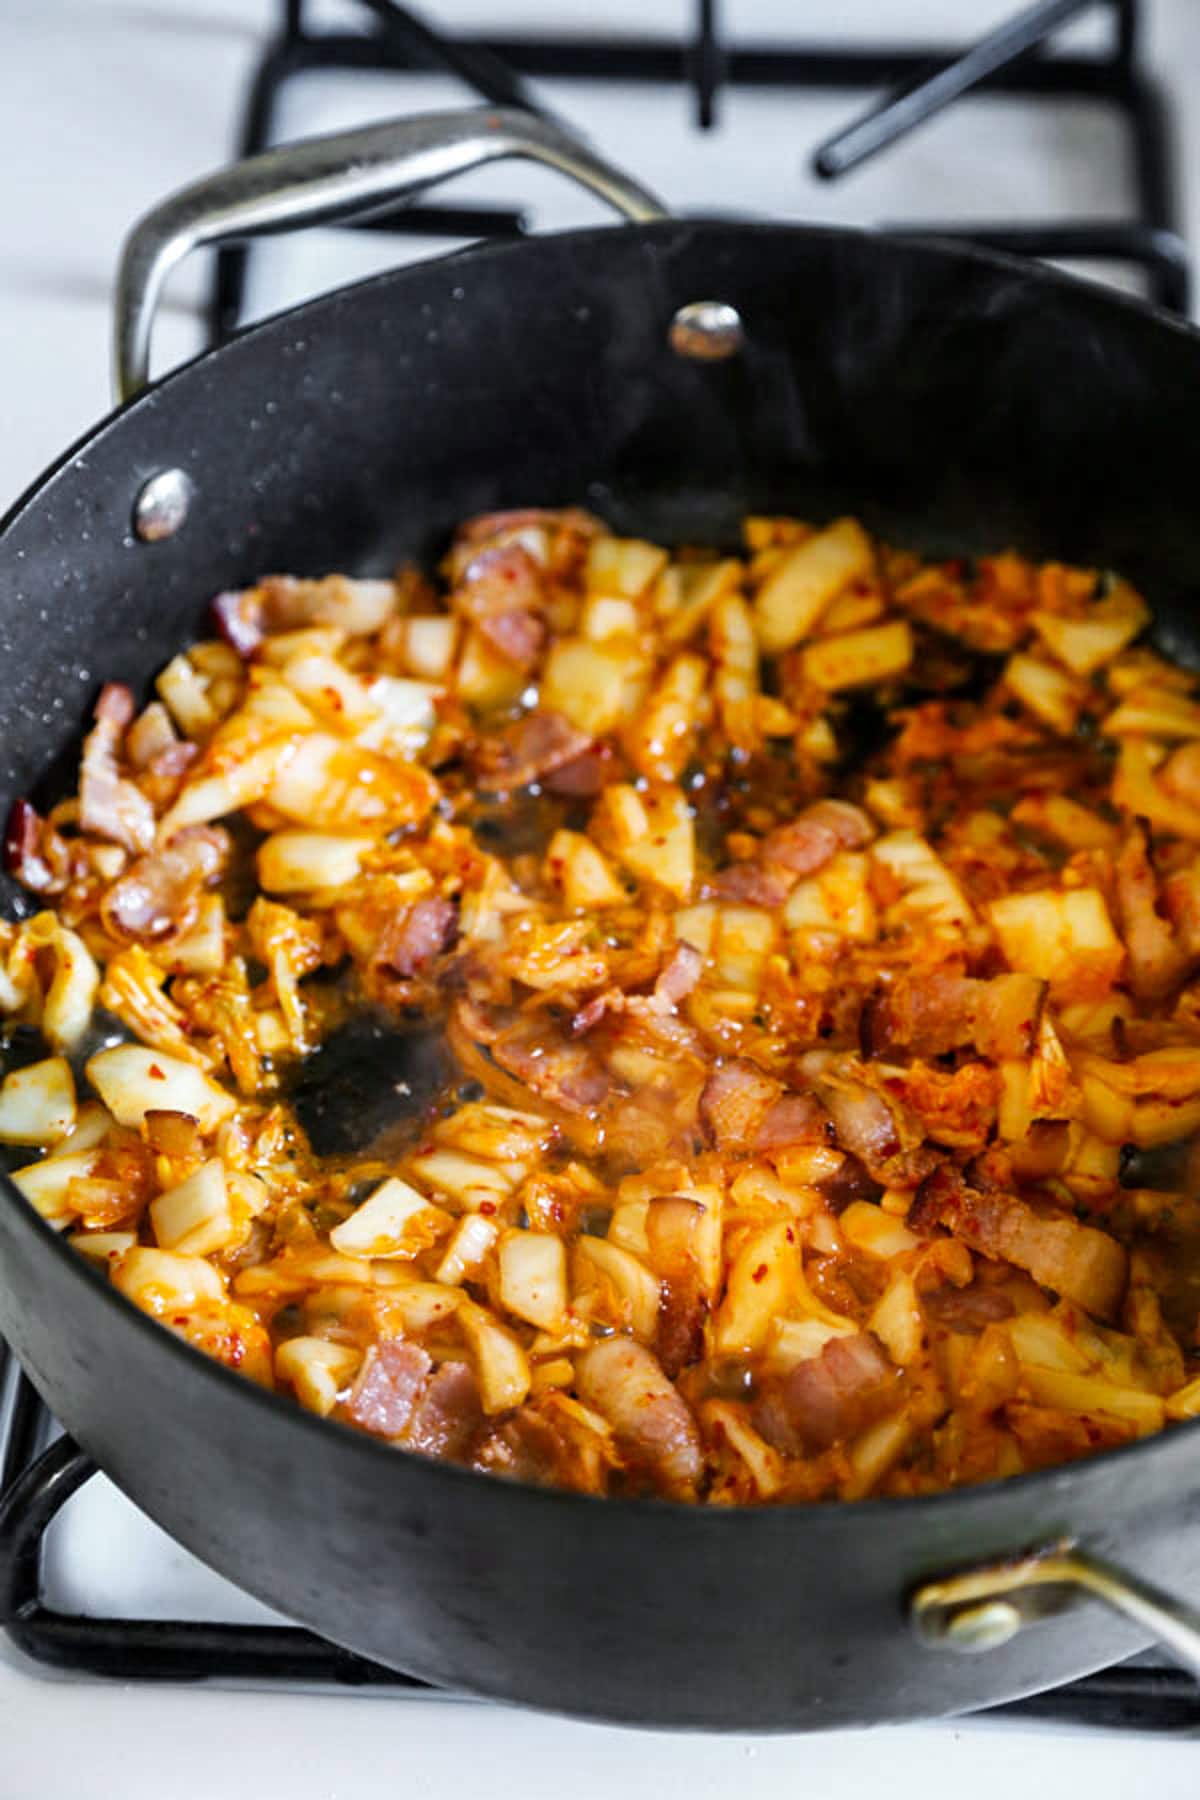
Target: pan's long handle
{"x":342,"y":176}
{"x":986,"y":1606}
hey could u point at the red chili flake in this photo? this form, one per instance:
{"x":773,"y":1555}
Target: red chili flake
{"x":488,"y":1207}
{"x":155,"y":1073}
{"x":790,"y":1235}
{"x":760,"y":1273}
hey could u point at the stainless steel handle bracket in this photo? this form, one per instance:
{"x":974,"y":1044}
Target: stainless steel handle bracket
{"x":348,"y":174}
{"x":985,"y":1607}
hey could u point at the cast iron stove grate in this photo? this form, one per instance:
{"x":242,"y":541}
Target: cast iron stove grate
{"x":917,"y":83}
{"x":1142,"y":1695}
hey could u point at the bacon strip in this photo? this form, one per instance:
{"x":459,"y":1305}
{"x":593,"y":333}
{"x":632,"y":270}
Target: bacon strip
{"x":1076,"y":1261}
{"x":793,"y":851}
{"x":412,"y":939}
{"x":23,"y":856}
{"x":156,"y":894}
{"x":828,"y":1397}
{"x":533,"y":746}
{"x":812,"y":840}
{"x":110,"y":806}
{"x":735,"y":1103}
{"x":448,"y":1416}
{"x":672,"y":1223}
{"x":1158,"y":962}
{"x":650,"y":1419}
{"x":388,"y":1387}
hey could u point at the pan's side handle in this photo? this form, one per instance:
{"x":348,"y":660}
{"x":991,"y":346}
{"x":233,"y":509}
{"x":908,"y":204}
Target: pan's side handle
{"x":984,"y":1607}
{"x":345,"y":175}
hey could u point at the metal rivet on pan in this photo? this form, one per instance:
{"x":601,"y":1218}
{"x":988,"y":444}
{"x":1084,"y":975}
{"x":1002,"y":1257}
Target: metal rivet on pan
{"x":707,"y":331}
{"x":982,"y":1627}
{"x":162,"y":506}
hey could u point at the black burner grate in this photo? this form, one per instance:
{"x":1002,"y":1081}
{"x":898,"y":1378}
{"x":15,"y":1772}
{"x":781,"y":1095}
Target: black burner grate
{"x":917,"y":82}
{"x":1138,"y":1696}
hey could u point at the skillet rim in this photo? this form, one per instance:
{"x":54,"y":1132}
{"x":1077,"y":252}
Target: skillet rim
{"x":1063,"y":1476}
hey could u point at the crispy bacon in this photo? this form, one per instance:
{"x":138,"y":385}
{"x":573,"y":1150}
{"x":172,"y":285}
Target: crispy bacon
{"x":795,"y":1119}
{"x":238,"y":618}
{"x":928,"y":1012}
{"x":584,"y":775}
{"x":968,"y":1309}
{"x":388,"y":1386}
{"x":749,"y":884}
{"x":524,"y":1448}
{"x":679,"y":975}
{"x":501,"y":579}
{"x":1182,"y":898}
{"x":110,"y":806}
{"x":862,"y":1121}
{"x":1076,"y":1261}
{"x":23,"y":853}
{"x":828,"y":1397}
{"x":156,"y":895}
{"x":518,"y":636}
{"x":1157,"y":960}
{"x":736,"y":1102}
{"x":565,"y":1074}
{"x":809,"y":842}
{"x":651,"y":1421}
{"x":448,"y":1416}
{"x":413,"y":938}
{"x":672,"y":1223}
{"x":528,"y":749}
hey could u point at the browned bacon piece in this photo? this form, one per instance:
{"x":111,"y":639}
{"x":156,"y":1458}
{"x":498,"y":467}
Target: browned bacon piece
{"x":679,"y":975}
{"x":110,"y":806}
{"x":795,"y":1119}
{"x":828,"y":1397}
{"x":156,"y":895}
{"x":672,"y":1223}
{"x":23,"y":851}
{"x":388,"y":1387}
{"x":533,"y":746}
{"x":807,"y":843}
{"x":448,"y":1416}
{"x":414,"y":937}
{"x":1158,"y":961}
{"x":1074,"y":1260}
{"x":651,"y":1421}
{"x":736,"y":1102}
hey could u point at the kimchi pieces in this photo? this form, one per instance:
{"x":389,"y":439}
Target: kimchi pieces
{"x":811,"y":940}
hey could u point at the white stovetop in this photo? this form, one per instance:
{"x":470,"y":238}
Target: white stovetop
{"x":104,"y":108}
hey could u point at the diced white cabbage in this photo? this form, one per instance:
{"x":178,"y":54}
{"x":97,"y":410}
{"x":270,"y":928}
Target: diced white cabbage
{"x":633,"y":1284}
{"x":133,"y":1081}
{"x":302,"y":862}
{"x":317,"y":1369}
{"x":395,"y":1220}
{"x":501,"y":1366}
{"x":37,"y":1103}
{"x":466,"y":1251}
{"x":161,"y":1282}
{"x":406,"y":715}
{"x":46,"y":1184}
{"x":195,"y":1218}
{"x":533,"y":1277}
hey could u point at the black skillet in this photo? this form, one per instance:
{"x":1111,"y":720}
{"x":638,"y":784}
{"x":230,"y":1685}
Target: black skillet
{"x":954,"y":400}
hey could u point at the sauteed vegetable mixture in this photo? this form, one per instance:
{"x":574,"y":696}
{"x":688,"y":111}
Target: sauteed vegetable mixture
{"x":815,"y":932}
